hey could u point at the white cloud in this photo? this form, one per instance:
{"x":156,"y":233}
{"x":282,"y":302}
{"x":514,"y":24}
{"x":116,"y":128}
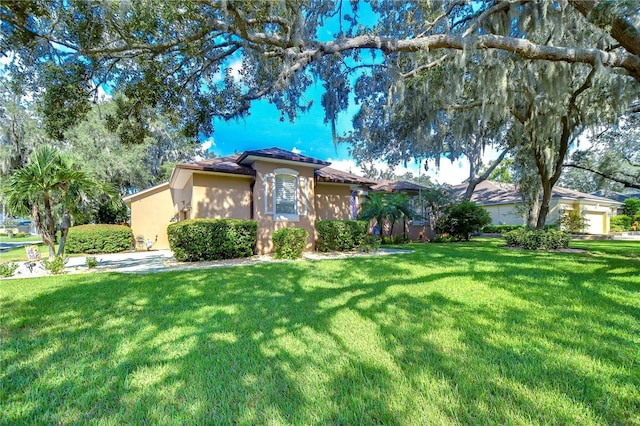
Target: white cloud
{"x":208,"y":143}
{"x":296,"y":150}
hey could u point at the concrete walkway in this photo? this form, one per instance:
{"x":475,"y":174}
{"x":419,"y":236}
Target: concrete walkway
{"x":144,"y":262}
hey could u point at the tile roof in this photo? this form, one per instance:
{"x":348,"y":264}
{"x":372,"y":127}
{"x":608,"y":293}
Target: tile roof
{"x":279,"y":154}
{"x":327,"y":174}
{"x":490,"y":192}
{"x":227,"y":164}
{"x":401,"y":185}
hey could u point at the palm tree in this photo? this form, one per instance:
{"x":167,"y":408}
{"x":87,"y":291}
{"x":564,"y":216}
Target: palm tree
{"x":50,"y":179}
{"x":398,"y":207}
{"x":381,"y":206}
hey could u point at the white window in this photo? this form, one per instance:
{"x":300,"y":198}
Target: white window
{"x":285,"y":195}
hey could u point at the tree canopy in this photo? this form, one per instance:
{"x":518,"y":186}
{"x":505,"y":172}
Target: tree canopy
{"x":176,"y":54}
{"x":433,"y":78}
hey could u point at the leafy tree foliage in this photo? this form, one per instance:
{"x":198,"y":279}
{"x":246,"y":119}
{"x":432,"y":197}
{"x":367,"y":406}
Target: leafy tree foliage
{"x":613,"y":159}
{"x":130,"y":166}
{"x":176,"y":54}
{"x":462,"y":219}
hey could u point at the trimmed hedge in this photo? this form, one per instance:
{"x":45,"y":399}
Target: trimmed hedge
{"x":92,"y":239}
{"x":340,"y":235}
{"x":538,"y":239}
{"x":500,"y":229}
{"x":212,"y":239}
{"x":621,"y":223}
{"x":503,"y":229}
{"x":289,"y":243}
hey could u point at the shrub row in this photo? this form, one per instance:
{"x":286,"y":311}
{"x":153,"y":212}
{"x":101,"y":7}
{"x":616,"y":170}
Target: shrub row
{"x":340,"y":235}
{"x":503,"y":229}
{"x":99,"y":239}
{"x":289,"y":243}
{"x":212,"y":239}
{"x":538,"y":240}
{"x":625,"y":223}
{"x":14,"y":235}
{"x":500,"y":229}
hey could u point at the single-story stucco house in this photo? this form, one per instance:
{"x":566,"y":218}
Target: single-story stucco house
{"x":277,"y":188}
{"x":502,"y":201}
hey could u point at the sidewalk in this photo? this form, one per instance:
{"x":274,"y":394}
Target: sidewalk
{"x":145,"y":262}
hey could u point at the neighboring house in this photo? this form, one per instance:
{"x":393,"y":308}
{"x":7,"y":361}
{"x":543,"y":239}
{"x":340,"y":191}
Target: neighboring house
{"x":504,"y":204}
{"x":617,"y":196}
{"x":277,"y":188}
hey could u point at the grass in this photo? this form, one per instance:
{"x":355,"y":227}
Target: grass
{"x":28,"y":238}
{"x":464,"y":333}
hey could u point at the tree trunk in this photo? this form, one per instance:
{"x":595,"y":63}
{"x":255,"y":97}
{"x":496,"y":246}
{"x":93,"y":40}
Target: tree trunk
{"x":547,"y":190}
{"x":473,"y":182}
{"x":64,"y":229}
{"x":43,"y":230}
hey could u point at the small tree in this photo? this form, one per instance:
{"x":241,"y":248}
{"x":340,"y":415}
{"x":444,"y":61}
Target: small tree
{"x":462,"y":219}
{"x":50,"y":180}
{"x":382,"y":206}
{"x":572,"y":222}
{"x":631,"y":206}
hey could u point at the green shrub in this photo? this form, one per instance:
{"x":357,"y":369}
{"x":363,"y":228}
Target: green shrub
{"x":369,"y":243}
{"x":500,"y":229}
{"x":7,"y":269}
{"x":462,"y":219}
{"x":92,"y":262}
{"x":212,"y":239}
{"x":621,"y":223}
{"x":92,"y":239}
{"x":572,"y":222}
{"x":55,"y":266}
{"x":340,"y":235}
{"x":289,"y":243}
{"x":538,"y":239}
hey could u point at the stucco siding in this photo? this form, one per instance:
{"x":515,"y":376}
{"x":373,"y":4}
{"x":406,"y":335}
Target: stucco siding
{"x":504,"y":214}
{"x":268,"y":222}
{"x":216,"y":196}
{"x":151,"y":214}
{"x":333,"y":202}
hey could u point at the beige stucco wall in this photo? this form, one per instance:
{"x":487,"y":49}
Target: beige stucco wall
{"x":266,"y":222}
{"x":151,"y":213}
{"x":504,"y":214}
{"x":218,"y":196}
{"x":333,"y":201}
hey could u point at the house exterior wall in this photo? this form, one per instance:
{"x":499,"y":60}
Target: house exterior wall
{"x":333,"y":201}
{"x":598,"y":215}
{"x":182,"y":198}
{"x":504,"y":214}
{"x":268,"y":223}
{"x":151,"y":214}
{"x":218,"y":196}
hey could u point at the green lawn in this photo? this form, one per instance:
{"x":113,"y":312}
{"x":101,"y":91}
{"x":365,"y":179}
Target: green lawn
{"x":28,"y":238}
{"x":464,"y":333}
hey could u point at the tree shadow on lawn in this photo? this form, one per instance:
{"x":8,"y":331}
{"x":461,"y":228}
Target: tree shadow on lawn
{"x":365,"y":340}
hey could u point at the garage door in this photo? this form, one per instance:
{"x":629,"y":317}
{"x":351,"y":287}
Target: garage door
{"x":595,"y":222}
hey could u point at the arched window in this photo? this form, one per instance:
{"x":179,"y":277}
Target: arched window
{"x":285,"y":194}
